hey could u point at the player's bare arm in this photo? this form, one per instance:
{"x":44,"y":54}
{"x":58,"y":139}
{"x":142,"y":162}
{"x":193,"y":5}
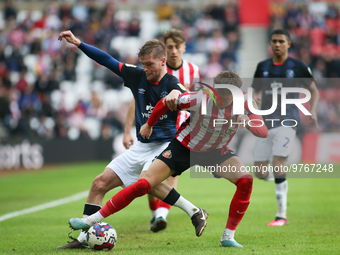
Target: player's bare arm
{"x":146,"y":131}
{"x":243,"y":119}
{"x":257,"y":95}
{"x":69,"y":37}
{"x":314,"y":103}
{"x":130,"y":118}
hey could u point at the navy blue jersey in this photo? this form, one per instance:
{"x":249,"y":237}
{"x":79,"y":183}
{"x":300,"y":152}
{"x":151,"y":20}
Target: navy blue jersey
{"x":146,"y":97}
{"x":291,"y":73}
{"x":145,"y":93}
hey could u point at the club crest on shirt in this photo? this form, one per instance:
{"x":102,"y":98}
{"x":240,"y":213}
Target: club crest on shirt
{"x":254,"y":103}
{"x":181,"y":86}
{"x":167,"y":154}
{"x":265,"y":74}
{"x":290,"y":73}
{"x":310,"y":71}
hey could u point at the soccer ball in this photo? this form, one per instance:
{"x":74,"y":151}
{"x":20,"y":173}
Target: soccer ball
{"x":101,"y":236}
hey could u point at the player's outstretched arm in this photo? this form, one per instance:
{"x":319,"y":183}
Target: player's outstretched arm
{"x":258,"y":131}
{"x":314,"y":103}
{"x":69,"y":37}
{"x":94,"y":53}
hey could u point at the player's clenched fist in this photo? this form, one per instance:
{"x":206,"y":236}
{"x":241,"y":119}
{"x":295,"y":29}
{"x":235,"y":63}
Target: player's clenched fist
{"x":69,"y":37}
{"x":171,"y":99}
{"x":145,"y":131}
{"x":243,"y":119}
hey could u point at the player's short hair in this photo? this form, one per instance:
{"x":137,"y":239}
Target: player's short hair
{"x":280,"y":32}
{"x":228,"y":77}
{"x":175,"y":34}
{"x":154,"y":47}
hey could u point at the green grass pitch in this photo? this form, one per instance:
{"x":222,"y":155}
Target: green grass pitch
{"x":313,"y":214}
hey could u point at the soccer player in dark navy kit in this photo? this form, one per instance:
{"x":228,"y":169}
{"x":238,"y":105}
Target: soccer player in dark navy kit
{"x":277,"y":72}
{"x":148,"y":87}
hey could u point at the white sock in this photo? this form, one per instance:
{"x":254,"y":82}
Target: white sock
{"x":228,"y":235}
{"x":153,"y":213}
{"x":281,"y":191}
{"x":82,"y":237}
{"x":94,"y":218}
{"x":186,"y":206}
{"x":162,"y":212}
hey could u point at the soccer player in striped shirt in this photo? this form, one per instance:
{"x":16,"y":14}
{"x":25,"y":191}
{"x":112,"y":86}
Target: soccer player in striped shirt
{"x":187,"y":73}
{"x":148,"y":86}
{"x":198,"y":142}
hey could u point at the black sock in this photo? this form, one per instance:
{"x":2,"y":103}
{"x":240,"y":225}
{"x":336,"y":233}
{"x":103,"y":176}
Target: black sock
{"x":91,"y":209}
{"x":280,"y":179}
{"x":172,"y":197}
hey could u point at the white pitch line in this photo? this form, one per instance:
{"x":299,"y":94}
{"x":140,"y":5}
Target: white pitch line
{"x":51,"y":204}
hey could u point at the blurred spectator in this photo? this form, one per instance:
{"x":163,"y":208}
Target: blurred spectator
{"x":314,"y":30}
{"x":213,"y":67}
{"x":47,"y":88}
{"x":217,"y":43}
{"x":134,"y":27}
{"x":164,"y":11}
{"x":10,"y":11}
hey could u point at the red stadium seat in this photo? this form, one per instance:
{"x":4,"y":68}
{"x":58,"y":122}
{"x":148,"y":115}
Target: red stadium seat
{"x":317,"y":36}
{"x":331,"y":24}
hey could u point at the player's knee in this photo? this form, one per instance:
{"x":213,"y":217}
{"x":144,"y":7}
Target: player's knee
{"x":245,"y":183}
{"x":142,"y":187}
{"x":259,"y":175}
{"x":100,"y":184}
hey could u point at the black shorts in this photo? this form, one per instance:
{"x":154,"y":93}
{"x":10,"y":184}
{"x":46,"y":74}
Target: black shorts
{"x":179,"y":158}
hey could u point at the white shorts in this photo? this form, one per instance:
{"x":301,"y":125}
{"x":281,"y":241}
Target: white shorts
{"x":279,"y":142}
{"x":132,"y":162}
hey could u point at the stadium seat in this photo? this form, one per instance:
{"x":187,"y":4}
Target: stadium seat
{"x":93,"y":127}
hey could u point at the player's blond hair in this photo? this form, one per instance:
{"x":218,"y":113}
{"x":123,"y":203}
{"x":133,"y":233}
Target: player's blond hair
{"x":154,"y":47}
{"x":175,"y":34}
{"x":228,"y":77}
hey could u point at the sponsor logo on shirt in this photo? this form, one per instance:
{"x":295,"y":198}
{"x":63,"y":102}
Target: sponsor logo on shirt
{"x":148,"y":109}
{"x":141,"y":91}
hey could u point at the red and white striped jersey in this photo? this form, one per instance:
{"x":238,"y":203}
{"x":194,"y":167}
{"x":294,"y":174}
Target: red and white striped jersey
{"x":210,"y":131}
{"x":187,"y":74}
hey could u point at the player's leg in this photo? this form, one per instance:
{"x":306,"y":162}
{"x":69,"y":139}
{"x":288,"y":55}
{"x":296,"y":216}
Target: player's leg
{"x":282,"y":146}
{"x":159,"y":224}
{"x":164,"y":208}
{"x":233,"y":170}
{"x":123,"y":170}
{"x":281,"y":192}
{"x":157,"y":172}
{"x":261,"y":156}
{"x":100,"y":186}
{"x":169,"y":195}
{"x":158,"y":221}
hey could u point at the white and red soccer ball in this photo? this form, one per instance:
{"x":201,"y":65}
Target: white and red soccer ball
{"x":101,"y":236}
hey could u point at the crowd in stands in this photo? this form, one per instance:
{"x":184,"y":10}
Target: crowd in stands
{"x":49,"y":89}
{"x":314,"y":28}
